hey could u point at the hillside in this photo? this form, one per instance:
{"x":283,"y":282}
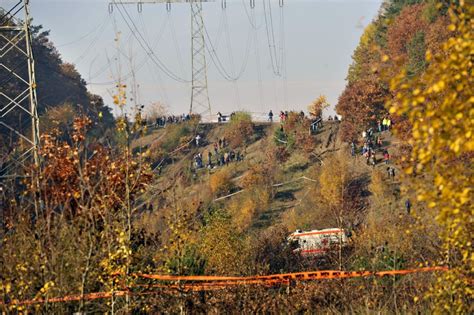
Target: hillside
{"x":368,"y":214}
{"x":288,"y":182}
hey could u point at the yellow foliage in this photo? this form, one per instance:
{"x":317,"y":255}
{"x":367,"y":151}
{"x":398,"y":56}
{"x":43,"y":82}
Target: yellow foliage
{"x":239,"y":130}
{"x":246,"y":208}
{"x":442,"y":150}
{"x":334,"y":178}
{"x":316,"y":108}
{"x":258,"y":175}
{"x":221,"y":246}
{"x":220,"y":182}
{"x":244,"y":214}
{"x":378,"y":186}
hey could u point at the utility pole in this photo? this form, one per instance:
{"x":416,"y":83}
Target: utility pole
{"x":18,"y":101}
{"x":200,"y":103}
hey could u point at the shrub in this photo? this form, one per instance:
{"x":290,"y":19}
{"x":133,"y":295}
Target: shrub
{"x":176,"y":135}
{"x":272,"y":253}
{"x":296,"y":130}
{"x":258,"y":175}
{"x":243,"y":213}
{"x":221,"y":245}
{"x":245,"y":208}
{"x":59,"y":118}
{"x":220,"y":182}
{"x":317,"y":107}
{"x":239,"y":129}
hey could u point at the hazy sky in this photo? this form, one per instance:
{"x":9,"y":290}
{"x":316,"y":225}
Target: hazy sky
{"x":319,"y":38}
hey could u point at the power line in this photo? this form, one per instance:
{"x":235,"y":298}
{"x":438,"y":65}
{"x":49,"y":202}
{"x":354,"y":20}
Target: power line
{"x":249,"y":17}
{"x":218,"y":63}
{"x":277,"y":62}
{"x":215,"y":59}
{"x":257,"y":60}
{"x":231,"y":57}
{"x":283,"y":55}
{"x":93,"y":30}
{"x":144,"y":44}
{"x":176,"y":45}
{"x":141,"y":64}
{"x":93,"y":42}
{"x":271,"y":40}
{"x":218,"y":38}
{"x":158,"y":78}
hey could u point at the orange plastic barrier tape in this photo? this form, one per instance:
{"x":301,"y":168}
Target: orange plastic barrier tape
{"x":216,"y":283}
{"x":311,"y":275}
{"x":89,"y":296}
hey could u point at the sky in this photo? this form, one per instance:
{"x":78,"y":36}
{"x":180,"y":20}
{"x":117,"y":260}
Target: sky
{"x":283,"y":62}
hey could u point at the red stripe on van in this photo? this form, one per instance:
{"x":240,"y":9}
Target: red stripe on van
{"x":318,"y":232}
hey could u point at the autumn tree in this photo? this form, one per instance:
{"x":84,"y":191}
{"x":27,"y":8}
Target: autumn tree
{"x":439,"y":105}
{"x":360,"y":105}
{"x":221,"y":245}
{"x":294,"y":133}
{"x":399,"y":36}
{"x":239,"y":130}
{"x":318,"y":106}
{"x":220,"y":182}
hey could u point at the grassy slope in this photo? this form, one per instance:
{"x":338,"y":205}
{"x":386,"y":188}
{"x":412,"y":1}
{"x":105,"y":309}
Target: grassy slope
{"x":285,"y":197}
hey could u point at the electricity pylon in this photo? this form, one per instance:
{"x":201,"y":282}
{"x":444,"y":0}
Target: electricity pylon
{"x":18,"y":102}
{"x":200,"y":103}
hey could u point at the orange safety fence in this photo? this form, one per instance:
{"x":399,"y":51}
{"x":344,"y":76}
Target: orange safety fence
{"x":207,"y":283}
{"x":311,"y":275}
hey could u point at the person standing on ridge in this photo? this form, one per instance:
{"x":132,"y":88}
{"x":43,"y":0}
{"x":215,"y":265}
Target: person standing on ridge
{"x":408,"y":206}
{"x":353,"y":147}
{"x":392,"y":173}
{"x":282,"y":116}
{"x":270,"y":116}
{"x":209,"y":158}
{"x":379,"y":141}
{"x":386,"y":156}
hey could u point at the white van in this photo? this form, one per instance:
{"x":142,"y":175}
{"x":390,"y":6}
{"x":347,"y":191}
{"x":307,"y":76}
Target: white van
{"x":318,"y":242}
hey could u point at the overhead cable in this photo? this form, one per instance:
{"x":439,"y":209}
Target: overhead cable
{"x":271,"y":39}
{"x":145,"y":45}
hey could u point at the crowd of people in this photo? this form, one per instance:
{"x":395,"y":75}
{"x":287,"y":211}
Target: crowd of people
{"x":219,"y":155}
{"x":384,"y":125}
{"x":222,"y":118}
{"x":162,"y":121}
{"x":373,"y":144}
{"x":283,"y":116}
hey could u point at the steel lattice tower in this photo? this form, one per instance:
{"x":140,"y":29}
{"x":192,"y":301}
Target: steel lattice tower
{"x":18,"y":101}
{"x":200,"y":103}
